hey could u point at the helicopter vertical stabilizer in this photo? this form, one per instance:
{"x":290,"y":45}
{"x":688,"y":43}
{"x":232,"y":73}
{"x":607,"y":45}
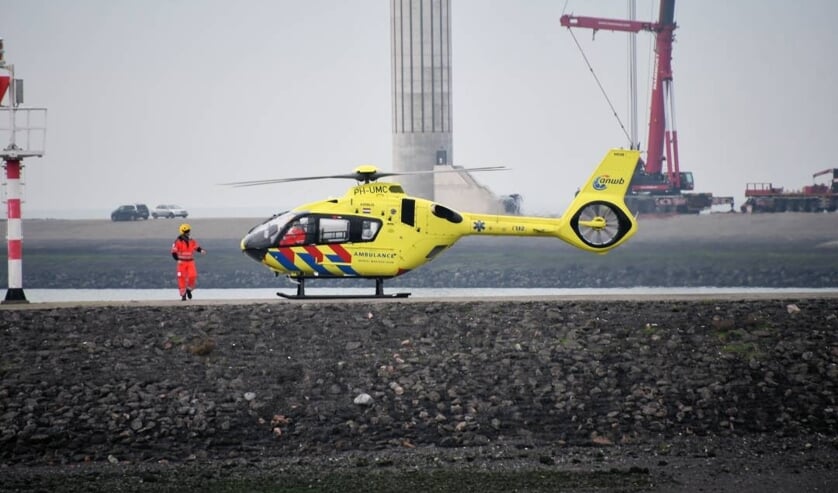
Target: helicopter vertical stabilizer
{"x":598,"y":220}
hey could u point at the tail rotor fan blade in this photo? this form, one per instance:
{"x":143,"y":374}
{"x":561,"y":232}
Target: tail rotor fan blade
{"x":599,"y":224}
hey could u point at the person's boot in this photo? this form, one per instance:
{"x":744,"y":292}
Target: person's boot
{"x":183,"y":297}
{"x":189,"y":293}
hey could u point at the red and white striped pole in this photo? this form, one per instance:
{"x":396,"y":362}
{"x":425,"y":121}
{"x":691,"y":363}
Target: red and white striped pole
{"x":14,"y":233}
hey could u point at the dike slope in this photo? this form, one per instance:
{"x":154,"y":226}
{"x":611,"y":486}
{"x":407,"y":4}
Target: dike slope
{"x":580,"y":395}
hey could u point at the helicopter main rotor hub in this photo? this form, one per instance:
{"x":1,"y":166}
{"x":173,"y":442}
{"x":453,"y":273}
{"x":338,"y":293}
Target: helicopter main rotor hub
{"x":366,"y":173}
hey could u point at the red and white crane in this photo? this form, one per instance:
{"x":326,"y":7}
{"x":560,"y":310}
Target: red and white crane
{"x":657,"y":188}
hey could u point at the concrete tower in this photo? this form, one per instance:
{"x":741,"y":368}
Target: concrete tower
{"x":421,"y":96}
{"x":421,"y":90}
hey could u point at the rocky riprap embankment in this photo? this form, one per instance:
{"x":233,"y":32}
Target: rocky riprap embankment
{"x":144,"y":384}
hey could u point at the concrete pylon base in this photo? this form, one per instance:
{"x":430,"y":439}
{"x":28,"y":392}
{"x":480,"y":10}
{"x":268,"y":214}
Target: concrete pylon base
{"x":15,"y":295}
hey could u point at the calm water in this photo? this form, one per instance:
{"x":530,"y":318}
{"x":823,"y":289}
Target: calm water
{"x":64,"y":295}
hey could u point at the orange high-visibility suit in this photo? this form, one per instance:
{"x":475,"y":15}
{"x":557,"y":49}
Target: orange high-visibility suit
{"x":183,"y":250}
{"x":295,"y":236}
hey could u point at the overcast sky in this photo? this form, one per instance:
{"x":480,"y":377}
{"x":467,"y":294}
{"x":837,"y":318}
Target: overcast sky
{"x":160,"y":101}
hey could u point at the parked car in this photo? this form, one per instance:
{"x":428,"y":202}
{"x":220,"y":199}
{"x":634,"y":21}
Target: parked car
{"x":142,"y":211}
{"x":125,"y":213}
{"x":168,"y":211}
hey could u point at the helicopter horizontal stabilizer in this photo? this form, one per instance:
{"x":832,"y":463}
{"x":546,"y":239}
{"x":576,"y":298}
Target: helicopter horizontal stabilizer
{"x":598,"y":219}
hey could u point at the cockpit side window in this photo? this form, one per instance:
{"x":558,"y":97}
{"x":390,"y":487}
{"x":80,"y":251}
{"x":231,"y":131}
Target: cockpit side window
{"x":298,"y":232}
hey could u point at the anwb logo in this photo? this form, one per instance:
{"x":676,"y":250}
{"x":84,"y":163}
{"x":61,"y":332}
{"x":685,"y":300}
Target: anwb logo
{"x":602,"y":182}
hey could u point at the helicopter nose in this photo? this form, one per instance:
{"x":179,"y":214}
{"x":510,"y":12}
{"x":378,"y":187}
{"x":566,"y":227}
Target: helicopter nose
{"x":255,"y":254}
{"x":254,"y":247}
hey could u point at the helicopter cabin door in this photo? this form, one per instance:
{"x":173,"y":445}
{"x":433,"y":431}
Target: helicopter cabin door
{"x":327,"y":238}
{"x":350,"y":246}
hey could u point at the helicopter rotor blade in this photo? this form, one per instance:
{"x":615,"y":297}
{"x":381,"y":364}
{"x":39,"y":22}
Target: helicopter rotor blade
{"x":435,"y":171}
{"x":252,"y":183}
{"x":358,"y":176}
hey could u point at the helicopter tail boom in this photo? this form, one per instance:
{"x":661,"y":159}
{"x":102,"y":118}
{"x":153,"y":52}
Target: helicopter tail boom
{"x":598,"y":220}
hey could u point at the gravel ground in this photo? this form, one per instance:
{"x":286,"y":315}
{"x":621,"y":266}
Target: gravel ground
{"x":546,"y":395}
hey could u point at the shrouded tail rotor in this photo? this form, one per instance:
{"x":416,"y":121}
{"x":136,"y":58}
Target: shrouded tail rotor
{"x":597,"y":219}
{"x":600,"y":224}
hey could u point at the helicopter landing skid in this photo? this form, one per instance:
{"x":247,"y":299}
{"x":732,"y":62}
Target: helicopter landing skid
{"x":301,"y":293}
{"x":341,"y":296}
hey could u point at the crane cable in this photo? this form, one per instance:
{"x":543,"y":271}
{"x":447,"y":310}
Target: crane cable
{"x":602,"y":89}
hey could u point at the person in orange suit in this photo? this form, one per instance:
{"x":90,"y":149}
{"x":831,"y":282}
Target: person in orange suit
{"x":183,"y":251}
{"x":296,"y":235}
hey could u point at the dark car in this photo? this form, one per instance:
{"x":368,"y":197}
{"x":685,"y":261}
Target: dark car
{"x":125,"y":213}
{"x":142,"y":211}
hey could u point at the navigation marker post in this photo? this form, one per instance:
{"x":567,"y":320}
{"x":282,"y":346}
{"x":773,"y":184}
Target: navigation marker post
{"x":26,"y":129}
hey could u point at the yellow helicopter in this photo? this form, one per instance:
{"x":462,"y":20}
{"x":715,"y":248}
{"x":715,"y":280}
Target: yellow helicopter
{"x":377,"y":231}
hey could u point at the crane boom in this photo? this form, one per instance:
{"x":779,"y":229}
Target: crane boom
{"x":833,"y":171}
{"x":663,"y":138}
{"x":597,"y":23}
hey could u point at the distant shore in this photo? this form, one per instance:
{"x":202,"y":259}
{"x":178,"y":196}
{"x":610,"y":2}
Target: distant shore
{"x":724,"y":250}
{"x":704,"y":228}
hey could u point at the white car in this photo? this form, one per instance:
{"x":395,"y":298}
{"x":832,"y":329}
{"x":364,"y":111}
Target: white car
{"x":168,"y":211}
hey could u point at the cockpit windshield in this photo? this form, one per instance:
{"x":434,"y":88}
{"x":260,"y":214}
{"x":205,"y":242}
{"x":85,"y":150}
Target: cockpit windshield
{"x":266,"y":235}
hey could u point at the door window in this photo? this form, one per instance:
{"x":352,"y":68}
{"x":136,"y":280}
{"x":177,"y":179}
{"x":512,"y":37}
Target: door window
{"x":333,"y":230}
